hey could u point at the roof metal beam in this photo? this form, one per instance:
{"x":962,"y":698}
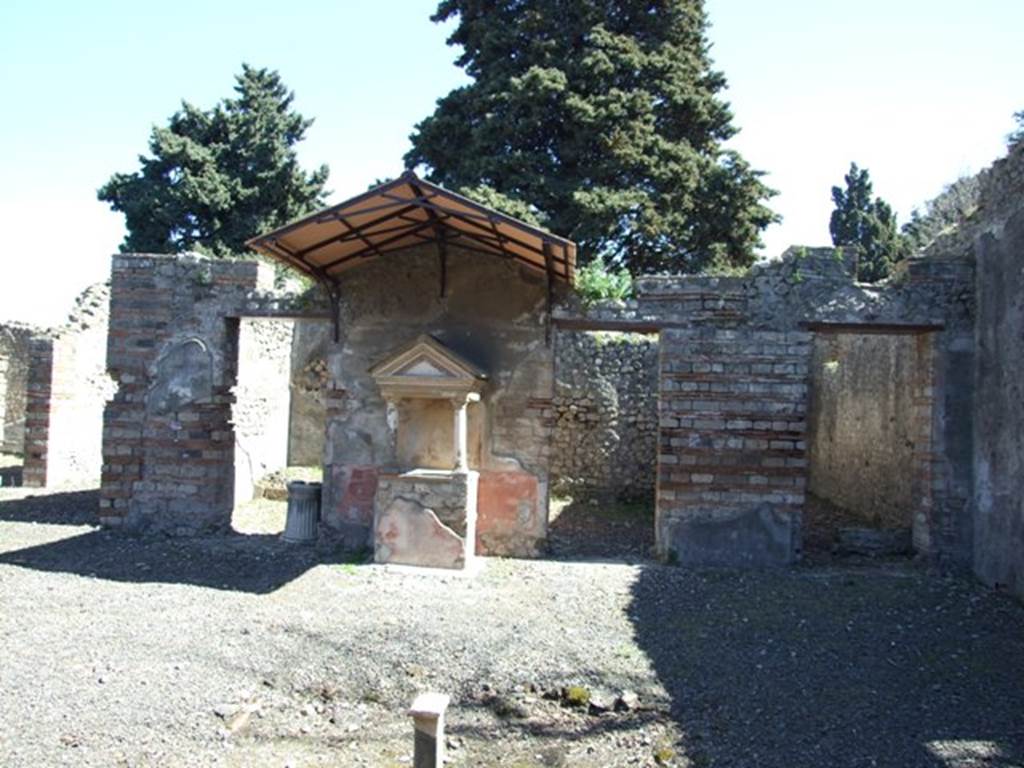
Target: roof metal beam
{"x":379,"y":246}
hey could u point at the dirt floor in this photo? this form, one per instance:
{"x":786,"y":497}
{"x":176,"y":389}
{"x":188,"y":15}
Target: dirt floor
{"x":590,"y":528}
{"x":243,"y":651}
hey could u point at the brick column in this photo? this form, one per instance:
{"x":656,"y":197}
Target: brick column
{"x":37,"y":411}
{"x":732,"y":457}
{"x":928,"y":476}
{"x":168,"y":439}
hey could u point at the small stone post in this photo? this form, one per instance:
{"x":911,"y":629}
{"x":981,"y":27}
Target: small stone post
{"x":427,"y":713}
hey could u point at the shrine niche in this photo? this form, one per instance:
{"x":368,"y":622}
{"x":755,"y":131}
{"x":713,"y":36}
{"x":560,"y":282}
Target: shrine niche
{"x":425,"y":506}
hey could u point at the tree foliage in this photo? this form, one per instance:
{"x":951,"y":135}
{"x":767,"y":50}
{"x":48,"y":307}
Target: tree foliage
{"x":604,"y":121}
{"x":1017,"y":137}
{"x":216,"y":177}
{"x":867,"y":223}
{"x":954,"y":204}
{"x":595,"y":281}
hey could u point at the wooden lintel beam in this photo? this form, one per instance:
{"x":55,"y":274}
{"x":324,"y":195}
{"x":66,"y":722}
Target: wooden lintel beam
{"x":890,"y":329}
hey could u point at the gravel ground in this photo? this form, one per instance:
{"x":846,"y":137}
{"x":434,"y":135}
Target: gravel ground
{"x":242,"y":651}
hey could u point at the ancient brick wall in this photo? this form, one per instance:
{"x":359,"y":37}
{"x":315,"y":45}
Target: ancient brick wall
{"x":811,"y":290}
{"x":606,"y":414}
{"x":865,"y":425}
{"x":173,"y":346}
{"x":732,"y":445}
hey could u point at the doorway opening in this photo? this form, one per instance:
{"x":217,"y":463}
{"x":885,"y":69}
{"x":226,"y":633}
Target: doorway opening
{"x":278,"y":415}
{"x":604,"y":445}
{"x":869,"y":444}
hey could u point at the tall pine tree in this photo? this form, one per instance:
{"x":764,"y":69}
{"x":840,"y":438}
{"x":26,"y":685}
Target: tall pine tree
{"x":220,"y":176}
{"x":867,"y":223}
{"x":604,"y":118}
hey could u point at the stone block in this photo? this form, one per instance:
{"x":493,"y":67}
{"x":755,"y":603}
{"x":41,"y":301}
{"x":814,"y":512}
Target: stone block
{"x":407,"y":533}
{"x":509,"y":522}
{"x":760,"y":537}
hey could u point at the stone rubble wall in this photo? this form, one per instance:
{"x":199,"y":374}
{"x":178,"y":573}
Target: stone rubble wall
{"x":606,"y":414}
{"x":309,"y":383}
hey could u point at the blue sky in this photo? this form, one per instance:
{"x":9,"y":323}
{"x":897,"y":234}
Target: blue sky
{"x":919,"y":92}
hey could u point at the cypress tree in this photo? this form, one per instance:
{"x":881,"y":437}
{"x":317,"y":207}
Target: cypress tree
{"x":605,"y":120}
{"x":216,"y":177}
{"x":867,"y":223}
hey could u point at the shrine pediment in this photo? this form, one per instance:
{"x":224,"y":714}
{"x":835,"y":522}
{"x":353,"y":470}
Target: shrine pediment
{"x":427,"y":368}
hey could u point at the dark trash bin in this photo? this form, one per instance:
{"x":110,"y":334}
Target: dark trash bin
{"x":303,"y":512}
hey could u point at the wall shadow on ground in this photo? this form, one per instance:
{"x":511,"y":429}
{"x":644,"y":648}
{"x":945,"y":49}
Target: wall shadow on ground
{"x":256,"y":564}
{"x":591,"y":528}
{"x":67,"y":508}
{"x":837,"y":667}
{"x":242,"y":563}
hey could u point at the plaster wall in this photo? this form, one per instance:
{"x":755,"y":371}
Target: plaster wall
{"x":260,"y":413}
{"x":999,"y":413}
{"x":863,"y":425}
{"x":492,"y":314}
{"x":80,"y":388}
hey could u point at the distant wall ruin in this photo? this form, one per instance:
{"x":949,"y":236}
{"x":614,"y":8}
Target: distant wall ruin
{"x":56,"y":385}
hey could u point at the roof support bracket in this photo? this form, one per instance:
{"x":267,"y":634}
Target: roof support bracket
{"x":442,"y":255}
{"x":549,"y":270}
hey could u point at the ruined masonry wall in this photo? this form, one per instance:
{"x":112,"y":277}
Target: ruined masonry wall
{"x":80,"y":388}
{"x":168,"y":432}
{"x":863,"y":426}
{"x":606,"y":414}
{"x":66,"y":389}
